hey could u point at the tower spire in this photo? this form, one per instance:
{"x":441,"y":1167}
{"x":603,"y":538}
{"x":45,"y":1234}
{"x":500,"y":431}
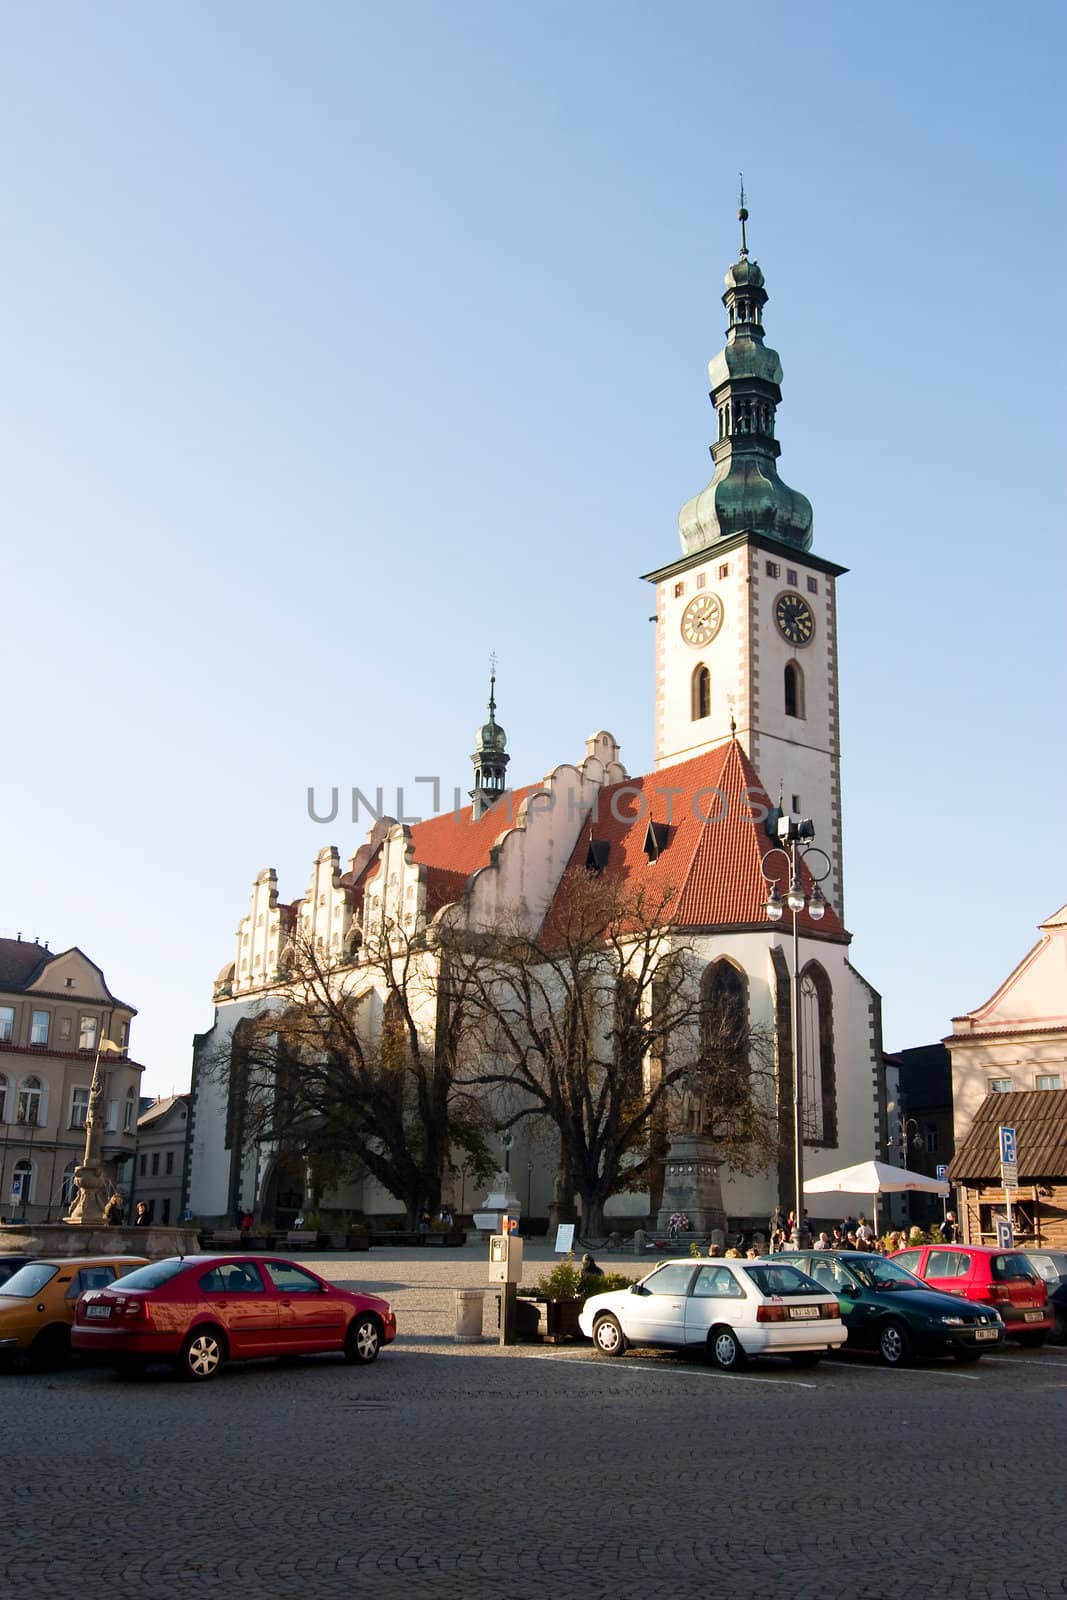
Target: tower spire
{"x":490,"y":758}
{"x":745,"y":495}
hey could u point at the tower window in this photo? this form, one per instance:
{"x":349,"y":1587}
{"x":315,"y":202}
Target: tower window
{"x":813,"y":585}
{"x":791,"y":577}
{"x":701,"y":692}
{"x":794,"y":690}
{"x":772,"y":569}
{"x":724,"y":570}
{"x":702,"y":579}
{"x":679,"y":590}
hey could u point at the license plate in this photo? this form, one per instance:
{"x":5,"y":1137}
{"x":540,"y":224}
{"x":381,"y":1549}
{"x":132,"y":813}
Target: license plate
{"x":985,"y":1333}
{"x":1033,"y":1316}
{"x":803,"y":1311}
{"x":98,"y":1311}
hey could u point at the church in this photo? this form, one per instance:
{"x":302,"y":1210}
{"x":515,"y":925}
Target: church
{"x":746,"y":710}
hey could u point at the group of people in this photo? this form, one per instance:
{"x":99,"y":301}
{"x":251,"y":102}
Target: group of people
{"x":115,"y":1211}
{"x":857,"y":1233}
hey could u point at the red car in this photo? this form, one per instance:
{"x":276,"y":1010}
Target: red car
{"x":1004,"y":1279}
{"x":201,"y":1311}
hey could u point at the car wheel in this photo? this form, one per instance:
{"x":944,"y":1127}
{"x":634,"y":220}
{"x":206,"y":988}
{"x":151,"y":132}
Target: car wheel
{"x":806,"y":1358}
{"x":725,"y":1348}
{"x":894,"y":1344}
{"x":363,"y":1340}
{"x":203,"y":1353}
{"x":608,"y":1337}
{"x":51,"y":1348}
{"x":1032,"y":1341}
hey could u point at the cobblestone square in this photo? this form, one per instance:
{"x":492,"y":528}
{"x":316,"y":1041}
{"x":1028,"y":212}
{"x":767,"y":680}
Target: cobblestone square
{"x":450,"y":1471}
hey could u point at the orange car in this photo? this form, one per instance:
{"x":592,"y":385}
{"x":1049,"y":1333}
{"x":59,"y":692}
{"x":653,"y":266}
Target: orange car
{"x":37,"y":1302}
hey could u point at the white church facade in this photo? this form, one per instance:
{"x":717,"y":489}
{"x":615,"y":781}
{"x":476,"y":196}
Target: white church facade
{"x":746,"y":710}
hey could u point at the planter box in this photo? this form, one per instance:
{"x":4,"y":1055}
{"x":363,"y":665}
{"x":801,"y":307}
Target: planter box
{"x":357,"y":1239}
{"x":552,"y":1320}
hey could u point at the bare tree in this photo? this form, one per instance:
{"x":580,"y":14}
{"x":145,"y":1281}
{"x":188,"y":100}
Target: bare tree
{"x":595,"y":1023}
{"x":354,"y":1065}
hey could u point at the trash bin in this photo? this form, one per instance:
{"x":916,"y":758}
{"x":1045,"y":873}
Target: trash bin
{"x":469,"y":1305}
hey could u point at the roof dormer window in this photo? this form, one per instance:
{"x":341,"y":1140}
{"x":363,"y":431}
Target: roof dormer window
{"x":656,"y":836}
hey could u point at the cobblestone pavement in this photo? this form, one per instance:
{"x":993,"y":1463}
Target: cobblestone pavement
{"x":471,"y":1471}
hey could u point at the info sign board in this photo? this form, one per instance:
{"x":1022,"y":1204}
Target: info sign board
{"x":564,"y":1238}
{"x":1009,"y":1159}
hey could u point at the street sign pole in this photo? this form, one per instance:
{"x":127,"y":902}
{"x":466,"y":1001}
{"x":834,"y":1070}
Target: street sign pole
{"x":1009,"y":1167}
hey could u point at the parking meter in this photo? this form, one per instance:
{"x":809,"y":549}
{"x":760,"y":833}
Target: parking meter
{"x":505,"y":1258}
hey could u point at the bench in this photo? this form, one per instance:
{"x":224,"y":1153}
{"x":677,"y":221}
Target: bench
{"x":221,"y":1239}
{"x":305,"y":1237}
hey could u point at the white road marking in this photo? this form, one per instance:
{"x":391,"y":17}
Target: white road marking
{"x":688,"y":1372}
{"x":915,"y":1372}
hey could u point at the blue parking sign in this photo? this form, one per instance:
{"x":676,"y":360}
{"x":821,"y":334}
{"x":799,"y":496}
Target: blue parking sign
{"x":942,"y":1171}
{"x":1005,"y":1234}
{"x":1007,"y":1145}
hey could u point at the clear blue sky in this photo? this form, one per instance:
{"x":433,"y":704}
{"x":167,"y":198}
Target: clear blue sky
{"x":341,"y":344}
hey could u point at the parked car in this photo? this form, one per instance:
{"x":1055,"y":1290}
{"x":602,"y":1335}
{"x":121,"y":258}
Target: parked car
{"x":9,"y":1265}
{"x":199,"y":1312}
{"x":1007,"y":1280}
{"x":888,"y":1309}
{"x":1052,"y":1265}
{"x":37,"y":1302}
{"x":732,"y":1309}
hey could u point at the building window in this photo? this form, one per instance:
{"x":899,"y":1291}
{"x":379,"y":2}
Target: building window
{"x":679,"y":590}
{"x":724,"y":570}
{"x":3,"y":1098}
{"x":1048,"y":1080}
{"x":702,"y":579}
{"x":1000,"y":1086}
{"x":29,"y":1111}
{"x":701,"y":691}
{"x":144,"y":1165}
{"x":127,"y":1115}
{"x":813,"y":585}
{"x":39,"y":1027}
{"x":930,"y":1136}
{"x":124,"y":1035}
{"x":169,"y":1162}
{"x":87,"y":1033}
{"x":166,"y":1210}
{"x":68,"y":1189}
{"x":7,"y":1023}
{"x":111,"y":1120}
{"x":773,"y":569}
{"x":791,"y":577}
{"x":794,"y":691}
{"x":79,"y":1107}
{"x":22,"y":1183}
{"x":155,"y":1163}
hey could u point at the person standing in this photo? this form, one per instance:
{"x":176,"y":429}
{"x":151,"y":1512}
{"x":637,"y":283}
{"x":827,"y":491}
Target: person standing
{"x":142,"y":1218}
{"x":950,"y":1228}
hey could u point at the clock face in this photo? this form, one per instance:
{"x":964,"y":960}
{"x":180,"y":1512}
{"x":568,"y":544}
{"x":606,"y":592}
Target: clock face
{"x":701,"y":620}
{"x":795,"y":618}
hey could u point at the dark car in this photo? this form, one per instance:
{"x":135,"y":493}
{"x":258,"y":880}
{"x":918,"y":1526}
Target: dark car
{"x":1052,"y":1266}
{"x":198,"y":1312}
{"x":888,"y":1309}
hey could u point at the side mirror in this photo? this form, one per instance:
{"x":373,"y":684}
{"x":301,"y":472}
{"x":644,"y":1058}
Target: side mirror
{"x":639,"y":1288}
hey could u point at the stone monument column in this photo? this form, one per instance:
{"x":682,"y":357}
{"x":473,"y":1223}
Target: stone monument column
{"x":691,"y":1184}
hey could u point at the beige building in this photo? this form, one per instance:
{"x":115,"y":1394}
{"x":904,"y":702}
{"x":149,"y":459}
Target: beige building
{"x":1015,"y":1046}
{"x":160,"y":1162}
{"x":54,"y":1011}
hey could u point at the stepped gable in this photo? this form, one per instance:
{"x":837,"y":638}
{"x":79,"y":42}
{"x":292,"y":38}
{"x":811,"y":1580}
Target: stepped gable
{"x":712,"y":809}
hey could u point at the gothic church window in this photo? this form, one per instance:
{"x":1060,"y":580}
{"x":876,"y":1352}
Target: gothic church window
{"x":818,"y":1079}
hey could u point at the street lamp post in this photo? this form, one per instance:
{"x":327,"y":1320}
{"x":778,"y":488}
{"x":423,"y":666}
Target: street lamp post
{"x":796,"y":836}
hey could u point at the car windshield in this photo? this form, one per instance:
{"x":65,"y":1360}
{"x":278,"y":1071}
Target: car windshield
{"x":1050,"y":1267}
{"x":152,"y":1276}
{"x":782,"y":1280}
{"x":876,"y":1273}
{"x":29,"y":1280}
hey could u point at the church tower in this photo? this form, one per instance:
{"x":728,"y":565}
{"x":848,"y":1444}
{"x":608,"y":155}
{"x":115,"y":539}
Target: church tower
{"x":746,"y":627}
{"x":490,"y":760}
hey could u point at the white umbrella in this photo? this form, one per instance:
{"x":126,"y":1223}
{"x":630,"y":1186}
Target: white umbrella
{"x":875,"y":1178}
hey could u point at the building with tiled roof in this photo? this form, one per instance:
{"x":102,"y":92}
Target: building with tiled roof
{"x":55,"y":1008}
{"x":746,"y":676}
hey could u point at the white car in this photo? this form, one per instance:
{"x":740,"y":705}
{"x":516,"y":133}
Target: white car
{"x":733,"y":1309}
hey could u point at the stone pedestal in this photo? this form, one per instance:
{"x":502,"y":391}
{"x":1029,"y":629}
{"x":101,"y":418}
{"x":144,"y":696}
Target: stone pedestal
{"x":500,"y":1202}
{"x":691,"y":1184}
{"x":93,"y":1239}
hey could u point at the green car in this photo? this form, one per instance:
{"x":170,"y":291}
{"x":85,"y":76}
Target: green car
{"x":888,"y":1309}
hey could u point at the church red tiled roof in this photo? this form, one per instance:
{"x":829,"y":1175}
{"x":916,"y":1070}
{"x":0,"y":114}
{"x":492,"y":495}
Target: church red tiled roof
{"x":456,"y":845}
{"x":710,"y":855}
